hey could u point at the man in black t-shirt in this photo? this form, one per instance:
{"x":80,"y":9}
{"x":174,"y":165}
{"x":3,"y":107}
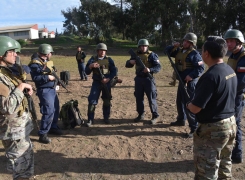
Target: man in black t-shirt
{"x":214,"y":106}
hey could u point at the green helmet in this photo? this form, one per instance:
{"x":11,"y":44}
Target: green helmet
{"x":7,"y":43}
{"x":101,"y":46}
{"x":45,"y":49}
{"x":191,"y":37}
{"x":143,"y":42}
{"x":19,"y":47}
{"x":235,"y":34}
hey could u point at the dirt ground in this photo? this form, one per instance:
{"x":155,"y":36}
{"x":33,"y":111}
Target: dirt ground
{"x":123,"y":149}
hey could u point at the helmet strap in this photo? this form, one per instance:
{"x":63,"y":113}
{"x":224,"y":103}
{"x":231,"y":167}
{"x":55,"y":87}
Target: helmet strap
{"x":237,"y":47}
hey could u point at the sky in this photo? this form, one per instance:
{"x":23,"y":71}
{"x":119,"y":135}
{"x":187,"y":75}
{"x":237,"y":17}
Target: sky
{"x":45,"y":13}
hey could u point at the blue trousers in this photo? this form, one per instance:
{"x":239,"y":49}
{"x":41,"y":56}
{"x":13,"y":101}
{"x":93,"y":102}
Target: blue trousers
{"x":93,"y":98}
{"x":81,"y":69}
{"x":237,"y":151}
{"x":181,"y":101}
{"x":49,"y":108}
{"x":144,"y":85}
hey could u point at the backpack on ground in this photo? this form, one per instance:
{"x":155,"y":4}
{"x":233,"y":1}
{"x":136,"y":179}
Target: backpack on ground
{"x":65,"y":76}
{"x":70,"y":115}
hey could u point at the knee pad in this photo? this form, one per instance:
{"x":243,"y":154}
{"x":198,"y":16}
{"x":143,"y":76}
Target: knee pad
{"x":91,"y":108}
{"x":106,"y":102}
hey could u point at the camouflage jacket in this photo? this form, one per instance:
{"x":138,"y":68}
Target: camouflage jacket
{"x":13,"y":125}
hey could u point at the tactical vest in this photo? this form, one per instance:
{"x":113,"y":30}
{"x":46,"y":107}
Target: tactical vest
{"x":104,"y":65}
{"x":34,"y":61}
{"x":233,"y":62}
{"x":24,"y":104}
{"x":79,"y":55}
{"x":49,"y":64}
{"x":180,"y":60}
{"x":144,"y":59}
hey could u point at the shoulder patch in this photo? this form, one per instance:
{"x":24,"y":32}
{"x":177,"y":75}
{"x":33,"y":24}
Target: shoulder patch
{"x":4,"y":90}
{"x":200,"y":63}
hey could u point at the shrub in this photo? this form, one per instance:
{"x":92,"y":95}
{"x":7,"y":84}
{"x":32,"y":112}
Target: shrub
{"x":22,"y":42}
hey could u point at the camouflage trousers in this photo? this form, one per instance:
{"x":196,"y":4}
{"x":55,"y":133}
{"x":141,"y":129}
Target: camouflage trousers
{"x":20,"y":157}
{"x":213,"y":144}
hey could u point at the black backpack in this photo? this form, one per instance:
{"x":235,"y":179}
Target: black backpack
{"x":65,"y":76}
{"x":70,"y":115}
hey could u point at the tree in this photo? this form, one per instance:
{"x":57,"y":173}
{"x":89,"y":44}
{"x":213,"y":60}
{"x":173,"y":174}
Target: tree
{"x":76,"y":21}
{"x":99,"y":19}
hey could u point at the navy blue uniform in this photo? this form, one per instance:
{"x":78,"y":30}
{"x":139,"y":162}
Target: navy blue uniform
{"x":239,"y":66}
{"x":194,"y":68}
{"x":97,"y":86}
{"x":80,"y":57}
{"x":143,"y":84}
{"x":49,"y":102}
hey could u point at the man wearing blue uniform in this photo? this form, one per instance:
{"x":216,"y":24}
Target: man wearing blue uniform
{"x":104,"y":71}
{"x":234,"y":39}
{"x":190,"y":66}
{"x":46,"y":92}
{"x":143,"y":84}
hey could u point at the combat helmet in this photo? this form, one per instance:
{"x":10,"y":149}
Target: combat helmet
{"x":101,"y":46}
{"x":7,"y":43}
{"x":143,"y":42}
{"x":191,"y":37}
{"x":45,"y":49}
{"x":235,"y":34}
{"x":19,"y":47}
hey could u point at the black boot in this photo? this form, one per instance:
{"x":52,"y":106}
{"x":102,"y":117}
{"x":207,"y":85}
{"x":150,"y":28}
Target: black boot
{"x":177,"y":123}
{"x":154,"y":120}
{"x":190,"y":135}
{"x":139,"y":118}
{"x":55,"y":131}
{"x":107,"y":121}
{"x":89,"y":123}
{"x":43,"y":138}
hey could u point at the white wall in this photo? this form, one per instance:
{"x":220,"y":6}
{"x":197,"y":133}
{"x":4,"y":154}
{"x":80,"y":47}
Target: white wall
{"x":33,"y":34}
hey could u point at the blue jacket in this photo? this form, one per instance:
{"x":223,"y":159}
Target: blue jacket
{"x":194,"y":58}
{"x":112,"y":69}
{"x":240,"y":75}
{"x":40,"y":79}
{"x":153,"y":59}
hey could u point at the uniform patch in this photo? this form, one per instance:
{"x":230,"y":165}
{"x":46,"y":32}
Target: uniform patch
{"x":4,"y":90}
{"x":240,"y":69}
{"x":230,"y":76}
{"x":158,"y":61}
{"x":200,"y":63}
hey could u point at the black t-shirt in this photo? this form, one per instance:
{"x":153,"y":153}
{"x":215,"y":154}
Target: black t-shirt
{"x":215,"y":93}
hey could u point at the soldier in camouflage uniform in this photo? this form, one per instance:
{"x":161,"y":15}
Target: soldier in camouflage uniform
{"x":214,"y":107}
{"x":15,"y":120}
